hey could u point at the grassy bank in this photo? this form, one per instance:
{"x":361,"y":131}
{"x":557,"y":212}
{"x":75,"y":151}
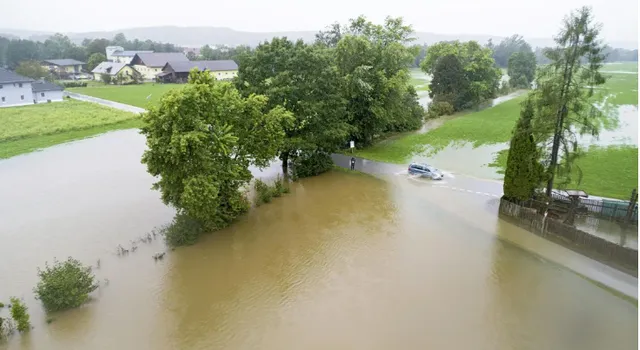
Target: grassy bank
{"x":136,"y":95}
{"x":29,"y":128}
{"x":623,"y":87}
{"x":489,"y":126}
{"x":606,"y":171}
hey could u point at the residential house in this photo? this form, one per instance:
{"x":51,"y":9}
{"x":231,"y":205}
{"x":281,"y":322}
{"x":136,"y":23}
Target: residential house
{"x":15,"y":90}
{"x":120,"y":71}
{"x":44,"y":92}
{"x":64,"y":67}
{"x":178,"y":72}
{"x":151,"y":64}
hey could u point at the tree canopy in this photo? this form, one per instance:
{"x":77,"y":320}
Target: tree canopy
{"x":507,"y":47}
{"x":94,"y":60}
{"x":478,"y":65}
{"x":201,"y":141}
{"x":522,"y":69}
{"x":449,"y":83}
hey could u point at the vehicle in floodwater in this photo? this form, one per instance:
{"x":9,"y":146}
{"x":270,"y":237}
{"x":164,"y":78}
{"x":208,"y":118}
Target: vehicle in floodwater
{"x":425,"y":170}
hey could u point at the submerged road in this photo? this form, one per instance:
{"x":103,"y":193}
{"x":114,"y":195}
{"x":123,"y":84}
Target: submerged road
{"x":483,"y":190}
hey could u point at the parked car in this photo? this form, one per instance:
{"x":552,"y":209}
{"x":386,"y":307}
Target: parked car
{"x":425,"y":170}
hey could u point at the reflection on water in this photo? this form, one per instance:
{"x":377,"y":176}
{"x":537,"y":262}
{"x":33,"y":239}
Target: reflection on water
{"x":344,"y":261}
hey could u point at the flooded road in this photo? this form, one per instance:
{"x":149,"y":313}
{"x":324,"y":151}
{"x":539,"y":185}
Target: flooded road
{"x":346,"y":261}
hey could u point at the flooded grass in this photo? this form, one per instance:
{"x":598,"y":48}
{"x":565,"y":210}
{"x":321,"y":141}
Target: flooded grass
{"x":607,"y":171}
{"x":489,"y":126}
{"x":620,"y":67}
{"x":135,"y":95}
{"x":623,"y":87}
{"x":25,"y":145}
{"x":53,"y":118}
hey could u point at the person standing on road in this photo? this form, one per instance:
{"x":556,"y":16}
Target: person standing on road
{"x":353,"y":163}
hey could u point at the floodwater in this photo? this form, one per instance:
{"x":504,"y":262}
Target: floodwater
{"x":346,"y":261}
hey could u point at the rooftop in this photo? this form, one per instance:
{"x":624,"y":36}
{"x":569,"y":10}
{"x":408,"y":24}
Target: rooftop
{"x":159,"y":59}
{"x":111,"y":68}
{"x":7,"y":76}
{"x":64,"y":62}
{"x":129,"y":53}
{"x":219,"y":65}
{"x":40,"y":86}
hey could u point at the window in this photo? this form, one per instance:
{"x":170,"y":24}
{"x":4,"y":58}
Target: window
{"x":22,"y":97}
{"x":3,"y":99}
{"x":42,"y":94}
{"x":0,"y":86}
{"x":20,"y":85}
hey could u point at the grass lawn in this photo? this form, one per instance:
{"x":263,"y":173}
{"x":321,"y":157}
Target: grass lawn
{"x":624,"y":87}
{"x":606,"y":171}
{"x":28,"y":128}
{"x":135,"y":95}
{"x":489,"y":126}
{"x":620,"y":66}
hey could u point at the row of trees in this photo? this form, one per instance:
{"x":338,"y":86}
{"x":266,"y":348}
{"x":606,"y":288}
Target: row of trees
{"x":14,"y":51}
{"x":544,"y":144}
{"x":291,"y":100}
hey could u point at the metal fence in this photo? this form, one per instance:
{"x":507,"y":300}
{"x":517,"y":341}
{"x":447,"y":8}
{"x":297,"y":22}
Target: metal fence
{"x":613,"y":210}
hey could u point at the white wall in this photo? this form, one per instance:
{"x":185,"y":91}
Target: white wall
{"x":109,"y":50}
{"x":45,"y":96}
{"x":16,"y":95}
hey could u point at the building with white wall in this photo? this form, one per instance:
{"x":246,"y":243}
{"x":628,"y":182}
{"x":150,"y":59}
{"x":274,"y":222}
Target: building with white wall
{"x":44,"y":91}
{"x":15,"y":90}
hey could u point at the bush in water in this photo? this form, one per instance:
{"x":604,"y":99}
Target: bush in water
{"x":64,"y":285}
{"x":20,"y":315}
{"x":264,"y":192}
{"x":183,"y":230}
{"x":311,"y":164}
{"x":439,"y":108}
{"x":7,"y":327}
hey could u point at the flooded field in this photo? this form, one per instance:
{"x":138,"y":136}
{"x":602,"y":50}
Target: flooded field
{"x":344,"y":261}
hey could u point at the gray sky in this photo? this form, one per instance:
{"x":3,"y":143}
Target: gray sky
{"x":539,"y":18}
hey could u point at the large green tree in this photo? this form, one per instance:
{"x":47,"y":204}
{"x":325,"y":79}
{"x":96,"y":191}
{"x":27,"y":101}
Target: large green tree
{"x":522,"y":69}
{"x":33,"y":70}
{"x":524,"y":172}
{"x":373,"y":61}
{"x":201,"y":141}
{"x":94,"y":60}
{"x":564,"y":94}
{"x":477,"y":62}
{"x":507,"y":47}
{"x":449,"y":83}
{"x":303,"y":79}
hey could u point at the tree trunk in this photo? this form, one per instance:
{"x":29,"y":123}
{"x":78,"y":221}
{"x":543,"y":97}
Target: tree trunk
{"x":284,"y":156}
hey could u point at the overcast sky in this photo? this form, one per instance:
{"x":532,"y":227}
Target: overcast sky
{"x":539,"y":18}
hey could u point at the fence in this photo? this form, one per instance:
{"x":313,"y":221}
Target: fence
{"x":527,"y":215}
{"x":613,"y":210}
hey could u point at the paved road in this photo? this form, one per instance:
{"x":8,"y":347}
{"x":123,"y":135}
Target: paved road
{"x":112,"y":104}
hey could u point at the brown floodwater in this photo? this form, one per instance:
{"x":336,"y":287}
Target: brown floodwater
{"x":345,"y":261}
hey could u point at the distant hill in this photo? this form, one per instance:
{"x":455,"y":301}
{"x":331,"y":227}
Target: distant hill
{"x":198,"y":36}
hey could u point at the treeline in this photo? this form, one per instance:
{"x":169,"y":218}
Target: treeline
{"x":14,"y":51}
{"x":293,"y":100}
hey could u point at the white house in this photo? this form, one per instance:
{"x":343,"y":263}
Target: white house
{"x":44,"y":92}
{"x":15,"y":90}
{"x":120,"y":55}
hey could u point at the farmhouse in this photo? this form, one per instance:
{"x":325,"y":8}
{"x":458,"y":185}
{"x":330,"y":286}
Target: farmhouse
{"x":150,"y":64}
{"x":64,"y":67}
{"x":178,"y":72}
{"x":16,"y":90}
{"x":121,"y":72}
{"x":44,"y":91}
{"x":119,"y":54}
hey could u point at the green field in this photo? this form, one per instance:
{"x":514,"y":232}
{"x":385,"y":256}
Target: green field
{"x":623,"y":87}
{"x":620,"y":66}
{"x":489,"y":126}
{"x":606,"y":171}
{"x":134,"y":95}
{"x":29,"y":128}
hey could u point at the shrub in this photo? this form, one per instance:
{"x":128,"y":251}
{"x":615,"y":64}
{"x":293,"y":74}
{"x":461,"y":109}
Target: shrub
{"x":183,"y":230}
{"x":7,"y":327}
{"x":20,"y":315}
{"x":264,"y":193}
{"x":70,"y":84}
{"x":311,"y":164}
{"x":1,"y":305}
{"x":64,"y":285}
{"x":440,"y":108}
{"x":279,"y":187}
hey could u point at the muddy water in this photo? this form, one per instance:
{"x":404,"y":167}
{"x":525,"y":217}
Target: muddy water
{"x":344,"y":262}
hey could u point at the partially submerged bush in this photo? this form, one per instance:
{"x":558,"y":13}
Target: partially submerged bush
{"x":183,"y":230}
{"x":265,"y":192}
{"x":311,"y":164}
{"x":64,"y":285}
{"x":20,"y":315}
{"x":7,"y":327}
{"x":440,"y":108}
